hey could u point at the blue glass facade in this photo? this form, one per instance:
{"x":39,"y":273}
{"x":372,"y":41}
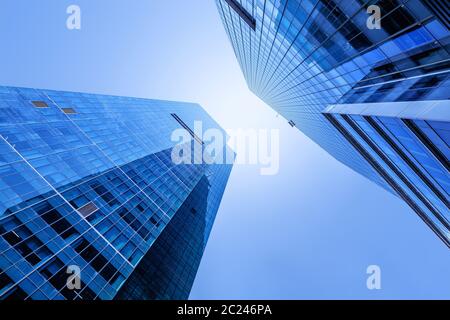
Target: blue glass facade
{"x":375,"y":99}
{"x":411,"y":153}
{"x":88,"y":181}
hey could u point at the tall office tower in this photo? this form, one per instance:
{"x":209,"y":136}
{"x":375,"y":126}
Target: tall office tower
{"x":372,"y":91}
{"x":92,"y":205}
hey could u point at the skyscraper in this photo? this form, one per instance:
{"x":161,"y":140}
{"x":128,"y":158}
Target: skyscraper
{"x":371,"y":90}
{"x":92,"y":205}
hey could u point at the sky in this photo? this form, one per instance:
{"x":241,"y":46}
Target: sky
{"x":309,"y":232}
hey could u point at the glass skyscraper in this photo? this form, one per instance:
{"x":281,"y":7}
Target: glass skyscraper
{"x":375,"y":97}
{"x":87,"y":182}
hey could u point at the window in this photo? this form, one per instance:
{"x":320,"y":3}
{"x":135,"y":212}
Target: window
{"x":86,"y":294}
{"x":396,"y":18}
{"x":24,"y":242}
{"x":69,"y":110}
{"x":55,"y":273}
{"x":21,"y":246}
{"x":39,"y":104}
{"x":88,"y":209}
{"x":54,"y":219}
{"x":97,"y":261}
{"x":104,"y":194}
{"x":154,"y":222}
{"x":16,"y":294}
{"x":5,"y":281}
{"x":134,"y":223}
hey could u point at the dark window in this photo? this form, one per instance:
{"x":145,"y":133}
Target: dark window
{"x":5,"y":281}
{"x":381,"y":92}
{"x":427,"y":82}
{"x":16,"y":294}
{"x":134,"y":223}
{"x":154,"y":222}
{"x":413,"y":94}
{"x":126,"y":215}
{"x":55,"y":273}
{"x":28,"y":245}
{"x":54,"y":219}
{"x":86,"y":294}
{"x":104,"y":194}
{"x":97,"y":261}
{"x":395,"y":17}
{"x":384,"y":69}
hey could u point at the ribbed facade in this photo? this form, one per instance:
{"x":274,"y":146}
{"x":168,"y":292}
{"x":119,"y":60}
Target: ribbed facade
{"x":88,"y":181}
{"x":328,"y":69}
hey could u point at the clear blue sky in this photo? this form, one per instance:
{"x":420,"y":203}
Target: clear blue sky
{"x":308,"y":232}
